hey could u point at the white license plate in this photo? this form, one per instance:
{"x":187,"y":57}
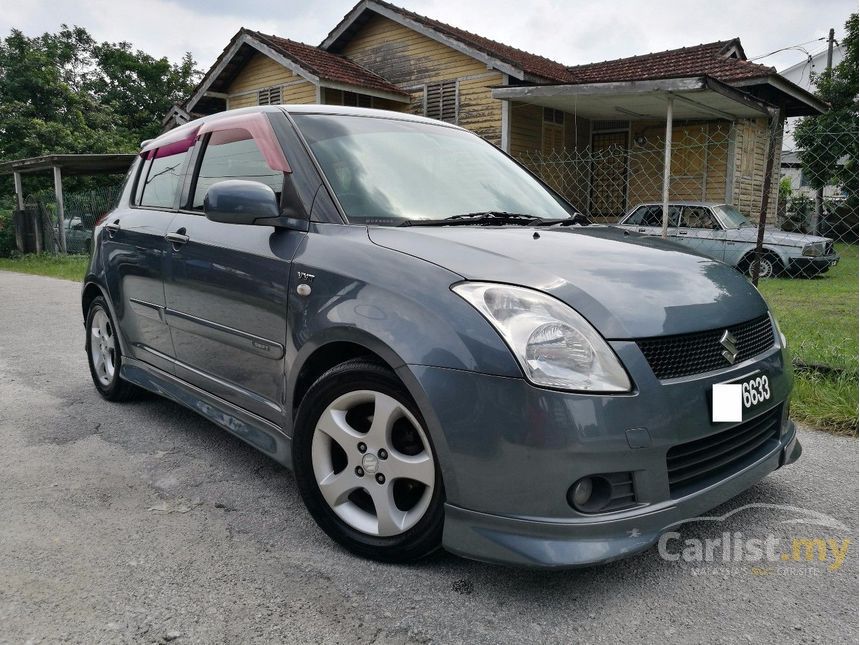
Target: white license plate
{"x":731,"y":401}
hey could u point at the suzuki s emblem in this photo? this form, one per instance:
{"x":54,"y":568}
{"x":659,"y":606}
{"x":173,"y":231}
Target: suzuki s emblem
{"x":728,"y":341}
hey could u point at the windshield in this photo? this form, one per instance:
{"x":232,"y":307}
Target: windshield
{"x":385,"y":171}
{"x":732,"y":217}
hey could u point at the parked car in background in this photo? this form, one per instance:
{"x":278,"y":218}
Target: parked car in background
{"x":79,"y":239}
{"x":430,"y":337}
{"x":722,"y":232}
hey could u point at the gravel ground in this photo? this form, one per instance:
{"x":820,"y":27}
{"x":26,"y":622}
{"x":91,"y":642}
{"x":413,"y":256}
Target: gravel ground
{"x":143,"y":523}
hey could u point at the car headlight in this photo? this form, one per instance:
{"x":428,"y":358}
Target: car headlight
{"x":783,"y":343}
{"x":555,"y":346}
{"x":813,"y":250}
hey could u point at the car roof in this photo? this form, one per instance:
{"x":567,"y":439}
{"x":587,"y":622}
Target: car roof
{"x":342,"y":110}
{"x":680,"y":203}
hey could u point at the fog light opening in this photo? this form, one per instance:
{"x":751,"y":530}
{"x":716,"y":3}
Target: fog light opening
{"x":590,"y":494}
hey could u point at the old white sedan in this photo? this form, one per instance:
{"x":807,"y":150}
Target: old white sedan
{"x":723,"y":232}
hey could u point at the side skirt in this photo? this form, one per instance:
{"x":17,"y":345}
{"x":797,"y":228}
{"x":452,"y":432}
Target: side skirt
{"x":247,"y":426}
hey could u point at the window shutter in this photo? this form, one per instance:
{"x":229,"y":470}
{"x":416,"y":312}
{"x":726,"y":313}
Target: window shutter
{"x":269,"y":96}
{"x":441,"y":101}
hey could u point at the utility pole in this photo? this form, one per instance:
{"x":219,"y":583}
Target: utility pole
{"x":819,"y":193}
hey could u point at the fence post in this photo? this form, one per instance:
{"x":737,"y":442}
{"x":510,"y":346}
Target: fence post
{"x":19,"y":204}
{"x":58,"y":192}
{"x":772,"y":152}
{"x":667,"y":164}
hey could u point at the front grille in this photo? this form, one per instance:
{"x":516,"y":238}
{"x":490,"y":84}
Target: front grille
{"x":699,"y":352}
{"x":699,"y":463}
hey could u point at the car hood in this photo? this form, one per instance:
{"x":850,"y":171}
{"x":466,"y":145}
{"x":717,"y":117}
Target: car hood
{"x":626,"y":285}
{"x":773,"y":237}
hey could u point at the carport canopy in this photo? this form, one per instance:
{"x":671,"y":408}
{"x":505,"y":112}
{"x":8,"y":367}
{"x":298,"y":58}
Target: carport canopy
{"x":70,"y":164}
{"x":675,"y":98}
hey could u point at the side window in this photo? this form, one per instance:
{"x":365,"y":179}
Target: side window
{"x":638,"y":216}
{"x":233,"y":154}
{"x":162,"y":178}
{"x":145,"y":163}
{"x":698,"y":217}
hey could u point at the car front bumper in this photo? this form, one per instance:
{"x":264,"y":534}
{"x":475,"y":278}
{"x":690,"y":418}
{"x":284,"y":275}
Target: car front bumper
{"x":817,"y":265}
{"x":510,"y":451}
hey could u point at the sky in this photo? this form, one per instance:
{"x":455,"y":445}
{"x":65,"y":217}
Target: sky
{"x":571,"y":32}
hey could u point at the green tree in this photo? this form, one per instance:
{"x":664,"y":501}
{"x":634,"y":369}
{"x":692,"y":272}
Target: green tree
{"x":828,"y":142}
{"x":65,"y":93}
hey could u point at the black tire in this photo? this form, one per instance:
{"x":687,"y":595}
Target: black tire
{"x":116,"y":389}
{"x":360,"y":374}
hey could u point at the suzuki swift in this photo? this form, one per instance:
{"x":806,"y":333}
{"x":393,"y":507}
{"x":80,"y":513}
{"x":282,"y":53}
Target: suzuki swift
{"x":439,"y":345}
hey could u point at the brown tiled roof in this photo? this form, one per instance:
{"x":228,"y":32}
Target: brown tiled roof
{"x":529,"y":63}
{"x":699,"y":60}
{"x":327,"y":66}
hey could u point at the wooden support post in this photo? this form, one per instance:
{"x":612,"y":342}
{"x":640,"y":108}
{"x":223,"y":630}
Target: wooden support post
{"x":58,"y":193}
{"x":667,"y":165}
{"x":772,"y":152}
{"x":19,"y":205}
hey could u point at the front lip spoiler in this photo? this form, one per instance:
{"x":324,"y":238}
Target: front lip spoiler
{"x":550,"y":545}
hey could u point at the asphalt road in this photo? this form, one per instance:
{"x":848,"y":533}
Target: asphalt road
{"x":142,"y":523}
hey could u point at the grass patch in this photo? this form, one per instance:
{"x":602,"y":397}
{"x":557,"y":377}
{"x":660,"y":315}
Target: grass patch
{"x":68,"y":267}
{"x":819,"y":318}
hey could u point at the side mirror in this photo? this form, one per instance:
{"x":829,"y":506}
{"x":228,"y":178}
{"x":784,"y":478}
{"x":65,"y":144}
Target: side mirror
{"x":237,"y":201}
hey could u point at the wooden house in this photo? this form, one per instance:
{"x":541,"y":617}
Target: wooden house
{"x":719,"y":107}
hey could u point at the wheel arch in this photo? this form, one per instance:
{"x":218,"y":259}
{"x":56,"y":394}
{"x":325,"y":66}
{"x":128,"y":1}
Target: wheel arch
{"x":92,"y":290}
{"x":340,"y":345}
{"x":749,"y":257}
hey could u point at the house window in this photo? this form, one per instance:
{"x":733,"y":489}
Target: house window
{"x":269,"y":96}
{"x":440,"y":101}
{"x":553,"y":116}
{"x":357,"y":100}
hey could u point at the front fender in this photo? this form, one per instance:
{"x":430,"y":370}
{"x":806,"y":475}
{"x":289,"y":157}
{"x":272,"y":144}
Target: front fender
{"x":398,"y":303}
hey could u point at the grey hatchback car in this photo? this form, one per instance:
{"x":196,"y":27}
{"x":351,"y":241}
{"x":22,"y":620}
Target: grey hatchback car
{"x":436,"y":343}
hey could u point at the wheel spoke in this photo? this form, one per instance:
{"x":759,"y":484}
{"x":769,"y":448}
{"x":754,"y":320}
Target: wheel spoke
{"x":99,"y":361}
{"x":333,"y":423}
{"x":386,"y":411}
{"x":335,"y":487}
{"x":417,"y":468}
{"x":389,"y":519}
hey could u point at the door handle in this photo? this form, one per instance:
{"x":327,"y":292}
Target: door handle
{"x":640,"y":230}
{"x":113,"y":227}
{"x":682,"y":232}
{"x":177,"y":238}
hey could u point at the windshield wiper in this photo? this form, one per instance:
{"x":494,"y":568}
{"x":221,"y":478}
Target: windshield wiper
{"x":486,"y":218}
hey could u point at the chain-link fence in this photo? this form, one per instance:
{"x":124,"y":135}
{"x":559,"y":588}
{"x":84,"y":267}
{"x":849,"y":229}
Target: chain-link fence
{"x":40,"y":223}
{"x":716,"y":183}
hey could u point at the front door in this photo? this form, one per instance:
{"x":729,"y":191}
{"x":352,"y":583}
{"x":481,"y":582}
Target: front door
{"x":700,"y":232}
{"x":226,"y":290}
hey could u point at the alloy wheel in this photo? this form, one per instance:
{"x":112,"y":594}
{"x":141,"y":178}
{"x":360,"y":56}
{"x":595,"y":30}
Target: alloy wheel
{"x":103,"y":347}
{"x":372,"y":463}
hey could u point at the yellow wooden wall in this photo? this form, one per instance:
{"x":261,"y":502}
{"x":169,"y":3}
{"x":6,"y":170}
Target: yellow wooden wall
{"x":410,"y":60}
{"x":699,"y":162}
{"x":262,"y":72}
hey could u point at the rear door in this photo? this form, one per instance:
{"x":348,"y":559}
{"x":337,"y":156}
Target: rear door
{"x":136,"y":252}
{"x":226,"y":290}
